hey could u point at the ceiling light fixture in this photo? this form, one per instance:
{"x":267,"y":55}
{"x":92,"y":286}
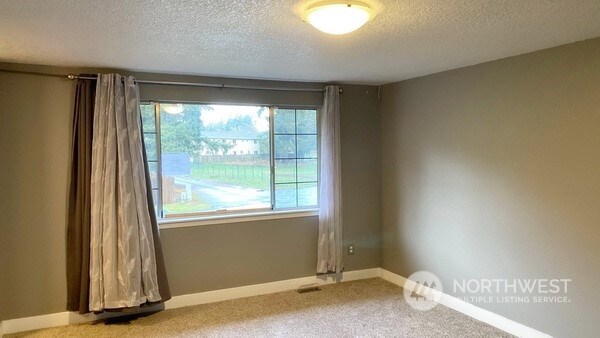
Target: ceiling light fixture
{"x":338,"y":17}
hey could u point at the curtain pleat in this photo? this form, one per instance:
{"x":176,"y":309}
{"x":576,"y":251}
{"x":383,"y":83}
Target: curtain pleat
{"x":329,"y":254}
{"x":123,"y":266}
{"x":78,"y":225}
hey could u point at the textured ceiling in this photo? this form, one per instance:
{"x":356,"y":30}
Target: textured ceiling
{"x":267,"y":39}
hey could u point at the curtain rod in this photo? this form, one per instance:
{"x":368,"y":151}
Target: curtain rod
{"x":176,"y":83}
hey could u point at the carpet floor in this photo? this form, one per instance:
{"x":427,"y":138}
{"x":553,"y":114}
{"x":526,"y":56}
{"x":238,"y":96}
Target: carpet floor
{"x":370,"y":307}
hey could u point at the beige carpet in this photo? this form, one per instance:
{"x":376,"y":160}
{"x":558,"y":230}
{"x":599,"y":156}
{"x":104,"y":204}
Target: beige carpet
{"x":371,"y":307}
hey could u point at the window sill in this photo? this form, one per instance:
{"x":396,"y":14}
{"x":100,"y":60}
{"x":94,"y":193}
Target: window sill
{"x":237,"y":218}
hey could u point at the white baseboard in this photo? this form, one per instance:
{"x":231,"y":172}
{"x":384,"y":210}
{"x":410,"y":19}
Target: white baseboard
{"x":66,"y":318}
{"x":466,"y":308}
{"x":265,"y":288}
{"x":61,"y":318}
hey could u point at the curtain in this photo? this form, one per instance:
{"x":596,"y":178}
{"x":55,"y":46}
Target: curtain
{"x":161,"y":272}
{"x":329,"y":255}
{"x":125,"y":270}
{"x":78,"y":226}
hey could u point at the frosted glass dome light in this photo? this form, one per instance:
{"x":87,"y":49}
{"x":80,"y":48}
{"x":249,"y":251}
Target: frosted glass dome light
{"x":338,"y":17}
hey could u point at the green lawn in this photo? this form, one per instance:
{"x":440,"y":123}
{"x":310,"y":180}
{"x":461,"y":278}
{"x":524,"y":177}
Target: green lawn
{"x":251,"y":176}
{"x":196,"y":204}
{"x":254,"y":176}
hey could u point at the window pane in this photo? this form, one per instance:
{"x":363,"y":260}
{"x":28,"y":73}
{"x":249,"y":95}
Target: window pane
{"x":285,"y":121}
{"x":285,"y":171}
{"x":153,"y":166}
{"x":285,"y":195}
{"x":150,"y":144}
{"x":307,"y":146}
{"x":307,"y":194}
{"x":285,"y":146}
{"x":179,"y":196}
{"x":155,"y":200}
{"x":298,"y":153}
{"x":306,"y":121}
{"x":307,"y":170}
{"x":148,"y":117}
{"x":215,"y":158}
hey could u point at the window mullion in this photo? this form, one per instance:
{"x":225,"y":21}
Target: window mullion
{"x":296,"y":155}
{"x":272,"y":153}
{"x":159,"y":177}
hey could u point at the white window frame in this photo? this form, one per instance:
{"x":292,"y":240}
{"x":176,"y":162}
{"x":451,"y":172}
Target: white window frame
{"x":233,"y":216}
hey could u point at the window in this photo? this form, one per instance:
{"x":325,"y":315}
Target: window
{"x":295,"y":148}
{"x":198,"y":167}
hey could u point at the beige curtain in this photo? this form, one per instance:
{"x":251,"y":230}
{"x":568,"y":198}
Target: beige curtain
{"x":329,"y":254}
{"x":123,"y":263}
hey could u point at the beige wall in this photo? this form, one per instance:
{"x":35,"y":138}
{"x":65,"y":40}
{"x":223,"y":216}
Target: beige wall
{"x":35,"y":140}
{"x":493,"y":171}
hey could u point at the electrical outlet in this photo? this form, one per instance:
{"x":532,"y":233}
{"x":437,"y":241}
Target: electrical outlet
{"x":350,"y":249}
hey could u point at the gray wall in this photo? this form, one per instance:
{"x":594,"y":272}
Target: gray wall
{"x":493,"y":171}
{"x":488,"y":171}
{"x":35,"y":125}
{"x":34,"y":156}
